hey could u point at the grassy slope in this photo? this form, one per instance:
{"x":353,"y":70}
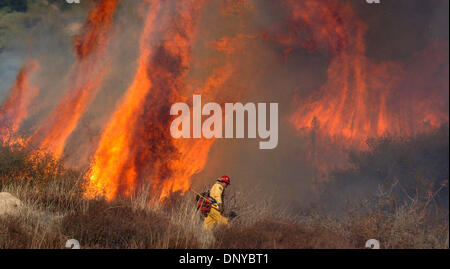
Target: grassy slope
{"x":55,"y":211}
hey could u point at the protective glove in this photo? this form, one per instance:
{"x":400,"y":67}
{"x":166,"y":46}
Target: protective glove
{"x":218,"y":206}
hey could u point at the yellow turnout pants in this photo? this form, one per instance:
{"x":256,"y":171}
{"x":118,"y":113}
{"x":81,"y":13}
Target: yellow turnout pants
{"x":214,"y":217}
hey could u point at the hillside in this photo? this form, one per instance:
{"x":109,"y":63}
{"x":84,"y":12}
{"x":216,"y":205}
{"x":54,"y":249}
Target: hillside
{"x":54,"y":210}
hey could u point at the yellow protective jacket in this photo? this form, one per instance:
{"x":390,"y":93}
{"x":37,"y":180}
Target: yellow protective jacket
{"x":215,"y":216}
{"x":216,"y":193}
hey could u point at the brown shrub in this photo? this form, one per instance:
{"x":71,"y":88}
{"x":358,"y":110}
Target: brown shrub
{"x":118,"y":225}
{"x":20,"y":232}
{"x":274,"y":234}
{"x":400,"y":230}
{"x":12,"y":234}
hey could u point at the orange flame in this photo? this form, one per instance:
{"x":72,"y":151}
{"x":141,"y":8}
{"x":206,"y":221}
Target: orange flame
{"x":87,"y":74}
{"x":95,"y":37}
{"x":135,"y":146}
{"x":110,"y":169}
{"x":15,"y":106}
{"x":358,"y":100}
{"x":193,"y":153}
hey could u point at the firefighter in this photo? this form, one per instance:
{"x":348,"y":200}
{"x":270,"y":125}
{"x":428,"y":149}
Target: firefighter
{"x":215,"y":214}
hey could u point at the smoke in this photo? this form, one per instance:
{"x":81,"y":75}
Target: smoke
{"x":296,"y":53}
{"x":410,"y":67}
{"x":10,"y":66}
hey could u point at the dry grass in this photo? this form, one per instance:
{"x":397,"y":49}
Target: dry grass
{"x":55,"y":210}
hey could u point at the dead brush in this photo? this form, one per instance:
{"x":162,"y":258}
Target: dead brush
{"x":56,"y":210}
{"x":398,"y":224}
